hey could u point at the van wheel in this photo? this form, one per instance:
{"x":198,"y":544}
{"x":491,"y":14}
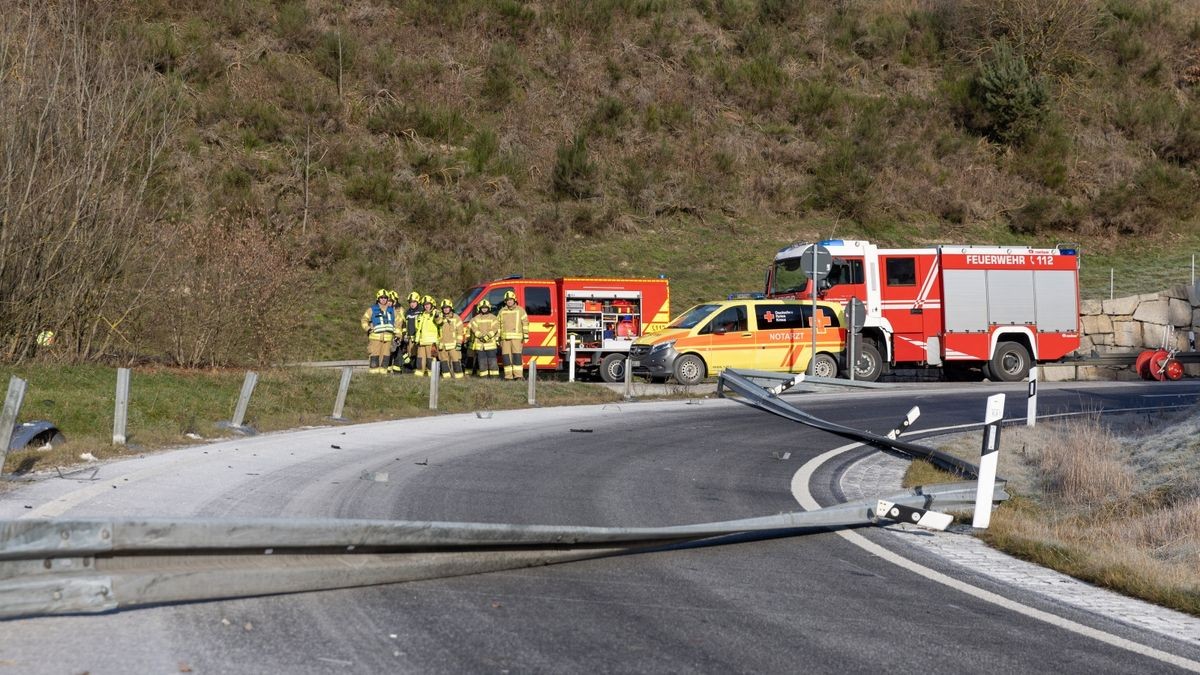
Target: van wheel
{"x":870,"y":363}
{"x":612,"y":368}
{"x":689,"y":369}
{"x":824,"y":365}
{"x":1010,"y":363}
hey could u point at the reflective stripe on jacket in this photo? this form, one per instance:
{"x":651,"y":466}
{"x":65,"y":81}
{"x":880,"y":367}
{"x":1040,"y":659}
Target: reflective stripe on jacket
{"x":451,"y":331}
{"x":514,"y":322}
{"x":379,"y":320}
{"x":485,"y":328}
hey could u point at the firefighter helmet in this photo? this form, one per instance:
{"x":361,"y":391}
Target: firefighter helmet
{"x":446,"y":302}
{"x":427,"y":300}
{"x":381,"y":293}
{"x":510,"y":295}
{"x":414,"y":297}
{"x":393,"y":296}
{"x":484,"y":304}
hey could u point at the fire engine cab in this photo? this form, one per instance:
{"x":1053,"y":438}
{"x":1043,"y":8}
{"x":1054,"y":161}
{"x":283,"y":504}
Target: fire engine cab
{"x":998,"y":310}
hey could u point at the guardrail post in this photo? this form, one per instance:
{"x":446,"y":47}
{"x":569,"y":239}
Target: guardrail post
{"x":435,"y":378}
{"x":121,"y":412}
{"x":989,"y":458}
{"x":533,"y":382}
{"x":1112,"y":285}
{"x":1031,"y":410}
{"x":239,"y":414}
{"x":343,"y":387}
{"x":8,"y":417}
{"x":629,"y":378}
{"x":571,"y":365}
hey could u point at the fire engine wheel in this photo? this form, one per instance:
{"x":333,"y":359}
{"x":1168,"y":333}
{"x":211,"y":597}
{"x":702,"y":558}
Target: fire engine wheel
{"x":1010,"y":363}
{"x":824,"y":365}
{"x":689,"y":369}
{"x":870,"y":363}
{"x":612,"y":368}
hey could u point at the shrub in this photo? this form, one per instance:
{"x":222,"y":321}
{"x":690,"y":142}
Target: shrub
{"x":1013,"y":101}
{"x":432,"y":122}
{"x":373,"y":188}
{"x":481,"y":150}
{"x":815,"y":104}
{"x":1044,"y":156}
{"x":1042,"y":215}
{"x":500,"y":77}
{"x":609,"y":116}
{"x":335,"y":53}
{"x":758,"y":83}
{"x":293,"y":25}
{"x":1158,"y":196}
{"x":574,"y":174}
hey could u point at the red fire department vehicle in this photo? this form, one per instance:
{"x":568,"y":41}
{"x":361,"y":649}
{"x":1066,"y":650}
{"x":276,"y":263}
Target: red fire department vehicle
{"x":996,"y":309}
{"x":604,"y":315}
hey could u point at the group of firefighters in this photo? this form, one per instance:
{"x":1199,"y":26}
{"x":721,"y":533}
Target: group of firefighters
{"x":424,"y":334}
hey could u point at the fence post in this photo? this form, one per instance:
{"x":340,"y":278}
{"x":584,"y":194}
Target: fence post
{"x":571,"y":365}
{"x":1112,"y":286}
{"x":628,"y":378}
{"x":343,"y":387}
{"x":121,"y":412}
{"x":8,"y":417}
{"x":1031,"y":410}
{"x":989,"y":457}
{"x":533,"y":382}
{"x":239,"y":415}
{"x":435,"y":378}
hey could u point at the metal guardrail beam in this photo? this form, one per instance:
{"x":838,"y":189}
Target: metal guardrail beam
{"x":96,"y":565}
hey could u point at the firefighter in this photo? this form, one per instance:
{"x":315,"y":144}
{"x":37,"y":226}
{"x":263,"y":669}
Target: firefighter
{"x":407,"y":352}
{"x":485,"y":330}
{"x":379,"y":323}
{"x":450,"y":340}
{"x":425,"y":337}
{"x":397,"y":361}
{"x":514,"y":331}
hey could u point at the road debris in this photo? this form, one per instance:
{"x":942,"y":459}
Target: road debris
{"x":375,"y":476}
{"x":581,"y":431}
{"x":87,"y":456}
{"x":335,"y":447}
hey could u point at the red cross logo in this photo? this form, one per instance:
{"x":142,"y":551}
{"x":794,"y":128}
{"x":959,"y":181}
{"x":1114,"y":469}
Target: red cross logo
{"x":769,"y":316}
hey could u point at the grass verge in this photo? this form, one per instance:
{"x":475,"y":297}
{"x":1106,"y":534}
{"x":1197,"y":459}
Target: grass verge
{"x":167,"y":404}
{"x":1115,"y":503}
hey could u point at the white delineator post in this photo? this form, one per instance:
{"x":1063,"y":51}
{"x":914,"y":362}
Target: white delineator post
{"x":533,"y":381}
{"x":989,"y":457}
{"x":435,"y":376}
{"x":343,"y":386}
{"x":239,"y":413}
{"x":571,"y":365}
{"x":121,"y":411}
{"x":1031,"y":410}
{"x":629,"y":378}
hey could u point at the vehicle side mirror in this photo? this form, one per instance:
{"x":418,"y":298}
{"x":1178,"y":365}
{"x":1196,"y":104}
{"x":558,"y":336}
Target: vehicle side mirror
{"x":719,"y":331}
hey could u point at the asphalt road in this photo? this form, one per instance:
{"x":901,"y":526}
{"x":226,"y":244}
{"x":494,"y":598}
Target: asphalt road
{"x":814,"y":603}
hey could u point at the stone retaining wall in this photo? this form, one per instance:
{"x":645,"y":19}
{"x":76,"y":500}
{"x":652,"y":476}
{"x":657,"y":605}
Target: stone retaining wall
{"x":1134,"y":323}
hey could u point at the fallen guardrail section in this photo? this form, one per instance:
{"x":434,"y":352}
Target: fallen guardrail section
{"x":97,"y":565}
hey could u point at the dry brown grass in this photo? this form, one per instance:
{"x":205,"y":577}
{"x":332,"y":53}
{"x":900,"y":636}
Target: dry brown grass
{"x":1111,"y":503}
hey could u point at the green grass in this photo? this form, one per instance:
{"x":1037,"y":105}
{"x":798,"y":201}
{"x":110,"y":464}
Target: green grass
{"x":166,"y":404}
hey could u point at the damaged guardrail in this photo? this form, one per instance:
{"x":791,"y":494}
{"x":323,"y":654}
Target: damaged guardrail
{"x":97,"y":565}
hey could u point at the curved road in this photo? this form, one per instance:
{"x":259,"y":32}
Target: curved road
{"x":814,"y":603}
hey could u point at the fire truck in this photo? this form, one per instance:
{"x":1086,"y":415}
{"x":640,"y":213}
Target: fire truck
{"x":989,"y":310}
{"x":605,"y":316}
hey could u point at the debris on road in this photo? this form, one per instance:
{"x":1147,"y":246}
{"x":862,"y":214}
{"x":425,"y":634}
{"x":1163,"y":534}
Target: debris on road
{"x":581,"y":431}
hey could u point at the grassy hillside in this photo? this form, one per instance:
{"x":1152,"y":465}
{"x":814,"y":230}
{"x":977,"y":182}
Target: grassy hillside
{"x":432,"y":143}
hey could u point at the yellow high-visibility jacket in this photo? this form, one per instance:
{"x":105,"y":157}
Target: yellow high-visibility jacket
{"x":485,"y":329}
{"x":427,"y":330}
{"x":514,"y":323}
{"x":450,"y":331}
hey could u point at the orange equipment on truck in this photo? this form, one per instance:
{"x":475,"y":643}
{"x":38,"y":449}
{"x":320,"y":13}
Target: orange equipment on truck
{"x":604,"y":315}
{"x":998,"y":309}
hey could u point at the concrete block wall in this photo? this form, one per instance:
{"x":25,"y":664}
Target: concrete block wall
{"x":1137,"y":322}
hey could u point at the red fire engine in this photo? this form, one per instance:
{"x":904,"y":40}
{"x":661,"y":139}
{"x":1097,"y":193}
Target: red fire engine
{"x":604,"y":315}
{"x":997,"y":309}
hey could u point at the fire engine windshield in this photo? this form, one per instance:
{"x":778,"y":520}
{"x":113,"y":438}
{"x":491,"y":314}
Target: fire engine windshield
{"x":466,"y":299}
{"x":789,"y":277}
{"x":693,"y":316}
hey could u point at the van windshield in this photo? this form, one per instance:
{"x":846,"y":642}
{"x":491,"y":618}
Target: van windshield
{"x":692,"y":317}
{"x":466,"y":299}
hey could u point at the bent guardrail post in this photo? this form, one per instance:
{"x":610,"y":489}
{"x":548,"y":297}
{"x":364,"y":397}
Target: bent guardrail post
{"x":1031,"y":404}
{"x":912,"y":416}
{"x":239,"y":413}
{"x":340,"y":402}
{"x":989,"y":457}
{"x":94,"y":565}
{"x":8,"y":417}
{"x":121,"y":410}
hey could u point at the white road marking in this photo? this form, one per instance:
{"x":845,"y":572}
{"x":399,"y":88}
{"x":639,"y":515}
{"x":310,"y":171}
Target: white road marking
{"x":800,"y":482}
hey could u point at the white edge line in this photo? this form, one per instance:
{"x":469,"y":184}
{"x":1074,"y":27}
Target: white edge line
{"x":800,"y":483}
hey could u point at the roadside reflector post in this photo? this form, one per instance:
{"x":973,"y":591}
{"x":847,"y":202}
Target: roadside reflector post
{"x":989,"y":457}
{"x":239,"y":414}
{"x":571,"y":353}
{"x":913,"y":414}
{"x":8,"y":417}
{"x":343,"y":386}
{"x":532,"y":382}
{"x":121,"y":412}
{"x":1031,"y":411}
{"x":628,"y":378}
{"x":435,"y":376}
{"x":1112,"y":283}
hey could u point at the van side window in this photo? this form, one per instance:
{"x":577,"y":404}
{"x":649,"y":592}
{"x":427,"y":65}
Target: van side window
{"x":537,"y":300}
{"x":731,"y":320}
{"x":494,"y":296}
{"x":901,"y":271}
{"x":781,"y":316}
{"x":831,"y":315}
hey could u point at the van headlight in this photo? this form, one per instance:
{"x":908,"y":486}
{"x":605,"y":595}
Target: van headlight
{"x":662,"y":346}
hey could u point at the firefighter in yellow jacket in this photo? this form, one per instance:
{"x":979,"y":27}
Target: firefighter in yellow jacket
{"x":425,"y":336}
{"x":450,"y":340}
{"x":514,"y":332}
{"x":379,"y":323}
{"x":485,"y":331}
